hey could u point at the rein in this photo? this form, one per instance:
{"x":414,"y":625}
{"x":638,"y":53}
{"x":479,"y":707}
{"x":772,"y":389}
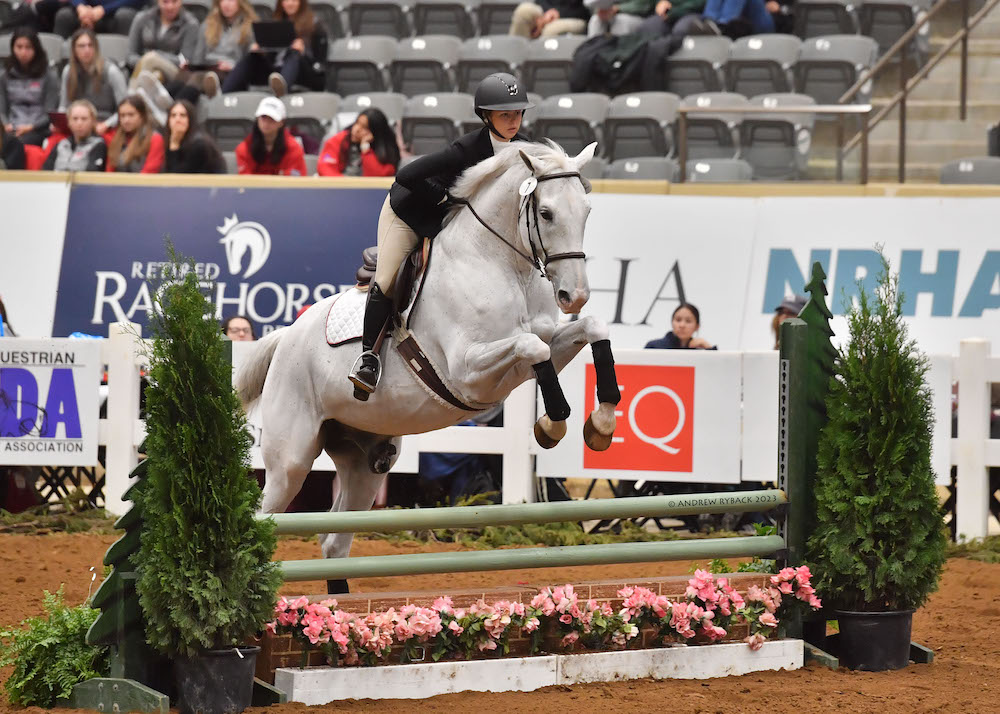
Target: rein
{"x":531,"y":201}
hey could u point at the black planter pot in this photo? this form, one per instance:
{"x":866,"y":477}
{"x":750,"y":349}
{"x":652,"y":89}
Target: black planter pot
{"x":216,"y":682}
{"x":874,"y":641}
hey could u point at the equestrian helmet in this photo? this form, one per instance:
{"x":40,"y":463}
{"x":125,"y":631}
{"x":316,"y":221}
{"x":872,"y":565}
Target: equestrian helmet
{"x":501,"y":91}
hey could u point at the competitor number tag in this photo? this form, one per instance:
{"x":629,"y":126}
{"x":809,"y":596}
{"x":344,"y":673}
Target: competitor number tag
{"x":528,"y":187}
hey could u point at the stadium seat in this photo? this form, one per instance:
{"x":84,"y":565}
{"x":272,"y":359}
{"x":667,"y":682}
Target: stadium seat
{"x":594,"y":169}
{"x":53,"y":45}
{"x":311,"y":112}
{"x":231,"y":117}
{"x":114,"y":47}
{"x":445,"y":17}
{"x":198,"y":8}
{"x":887,"y":20}
{"x":828,"y":66}
{"x":423,"y":65}
{"x":777,"y":145}
{"x":815,"y":18}
{"x":713,"y":135}
{"x":359,"y":64}
{"x":640,"y":125}
{"x":264,"y":10}
{"x":311,"y":161}
{"x":718,"y":171}
{"x":432,"y":121}
{"x":760,"y":64}
{"x":697,"y":65}
{"x":328,"y":12}
{"x":651,"y":168}
{"x":378,"y":17}
{"x":571,"y":120}
{"x":481,"y":56}
{"x":547,"y":66}
{"x":975,"y":170}
{"x":495,"y":16}
{"x":230,"y":158}
{"x":6,"y":8}
{"x":389,"y":103}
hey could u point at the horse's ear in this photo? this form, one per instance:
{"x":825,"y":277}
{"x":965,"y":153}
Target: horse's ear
{"x":527,"y":160}
{"x":584,"y":157}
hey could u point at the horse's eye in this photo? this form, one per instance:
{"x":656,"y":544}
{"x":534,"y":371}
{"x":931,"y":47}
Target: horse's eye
{"x":546,"y":214}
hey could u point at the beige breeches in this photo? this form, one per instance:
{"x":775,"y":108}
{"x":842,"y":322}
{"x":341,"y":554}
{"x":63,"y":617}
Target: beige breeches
{"x":523,"y":20}
{"x":395,"y":241}
{"x":154,"y":62}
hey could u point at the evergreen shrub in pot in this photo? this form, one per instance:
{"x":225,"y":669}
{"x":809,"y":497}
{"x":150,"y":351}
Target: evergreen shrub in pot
{"x":207,"y":584}
{"x":878,"y":547}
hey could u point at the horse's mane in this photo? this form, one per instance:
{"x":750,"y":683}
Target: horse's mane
{"x":548,"y":157}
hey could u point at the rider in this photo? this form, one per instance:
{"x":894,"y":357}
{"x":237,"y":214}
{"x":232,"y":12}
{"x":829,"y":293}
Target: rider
{"x":418,"y":202}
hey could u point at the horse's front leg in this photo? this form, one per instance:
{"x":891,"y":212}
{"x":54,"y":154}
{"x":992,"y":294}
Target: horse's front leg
{"x":567,"y":341}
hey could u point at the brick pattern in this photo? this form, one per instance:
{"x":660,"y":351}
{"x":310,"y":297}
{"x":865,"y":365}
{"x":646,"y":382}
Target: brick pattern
{"x":284,"y":651}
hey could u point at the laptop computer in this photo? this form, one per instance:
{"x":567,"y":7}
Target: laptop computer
{"x":274,"y":36}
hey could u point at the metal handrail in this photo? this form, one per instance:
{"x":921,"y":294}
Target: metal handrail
{"x":840,"y":109}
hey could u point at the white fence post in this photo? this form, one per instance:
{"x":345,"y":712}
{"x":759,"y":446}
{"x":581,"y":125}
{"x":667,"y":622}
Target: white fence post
{"x":518,"y":453}
{"x":121,"y":455}
{"x":972,"y":504}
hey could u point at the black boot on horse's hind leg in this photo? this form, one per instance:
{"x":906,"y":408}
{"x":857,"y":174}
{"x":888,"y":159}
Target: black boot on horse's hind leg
{"x":337,"y":587}
{"x":365,"y":376}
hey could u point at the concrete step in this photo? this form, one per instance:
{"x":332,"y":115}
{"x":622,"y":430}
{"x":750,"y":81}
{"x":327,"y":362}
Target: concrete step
{"x":826,"y":170}
{"x":941,"y":87}
{"x":926,"y":151}
{"x":943,"y":130}
{"x":978,"y":112}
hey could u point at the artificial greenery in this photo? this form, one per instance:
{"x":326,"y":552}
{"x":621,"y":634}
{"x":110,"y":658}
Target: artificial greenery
{"x":50,"y":653}
{"x":879,"y":541}
{"x":206,"y":577}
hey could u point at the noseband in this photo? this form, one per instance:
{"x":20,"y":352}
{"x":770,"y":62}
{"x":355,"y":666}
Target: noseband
{"x":530,"y":201}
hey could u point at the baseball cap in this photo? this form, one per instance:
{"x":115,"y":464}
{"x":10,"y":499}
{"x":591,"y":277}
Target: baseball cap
{"x":792,"y":304}
{"x":271,"y":107}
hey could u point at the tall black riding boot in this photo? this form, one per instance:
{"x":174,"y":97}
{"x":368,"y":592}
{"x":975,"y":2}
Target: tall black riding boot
{"x":377,"y":311}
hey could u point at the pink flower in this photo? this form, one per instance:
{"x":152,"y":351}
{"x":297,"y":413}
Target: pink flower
{"x":299,"y":603}
{"x":444,"y":605}
{"x":488,"y":644}
{"x":785,"y":588}
{"x":455,"y":628}
{"x":543,"y":603}
{"x":768,"y":620}
{"x":755,"y":641}
{"x":569,"y":639}
{"x":272,"y":627}
{"x":531,"y":624}
{"x":802,"y":575}
{"x":566,"y":618}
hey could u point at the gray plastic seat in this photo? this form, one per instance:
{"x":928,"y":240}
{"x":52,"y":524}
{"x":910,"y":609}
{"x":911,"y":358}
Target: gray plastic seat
{"x":760,"y":64}
{"x":697,"y":65}
{"x":547,"y":66}
{"x":975,"y":170}
{"x":359,"y":64}
{"x":114,"y":47}
{"x":650,"y":168}
{"x":432,"y":121}
{"x":777,"y":145}
{"x":815,"y":18}
{"x":828,"y":66}
{"x":230,"y":158}
{"x":887,"y":20}
{"x":495,"y":16}
{"x":389,"y":103}
{"x":6,"y":8}
{"x":264,"y":10}
{"x":445,"y":17}
{"x":312,"y":161}
{"x":198,"y":8}
{"x":54,"y":47}
{"x":329,"y":13}
{"x":378,"y":17}
{"x":423,"y":65}
{"x":640,"y":124}
{"x":718,"y":171}
{"x":595,"y":168}
{"x":311,"y":112}
{"x":571,"y":120}
{"x":230,"y":117}
{"x":482,"y":56}
{"x":713,"y":135}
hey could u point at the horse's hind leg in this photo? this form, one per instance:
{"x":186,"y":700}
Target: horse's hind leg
{"x":360,"y":462}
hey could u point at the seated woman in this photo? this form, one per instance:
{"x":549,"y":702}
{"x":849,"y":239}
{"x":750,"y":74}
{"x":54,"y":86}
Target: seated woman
{"x":239,"y":329}
{"x":617,"y":18}
{"x":270,"y":149}
{"x":162,"y":40}
{"x":89,"y":76}
{"x":137,"y":147}
{"x":737,"y":18}
{"x":366,"y":148}
{"x":29,"y":90}
{"x":83,"y":149}
{"x":668,"y":18}
{"x":188,"y":149}
{"x":684,"y":323}
{"x":224,"y":39}
{"x":297,"y":64}
{"x":11,"y":152}
{"x":548,"y":18}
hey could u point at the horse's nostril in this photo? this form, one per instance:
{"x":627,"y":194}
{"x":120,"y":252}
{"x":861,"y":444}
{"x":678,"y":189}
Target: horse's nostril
{"x":563,"y":296}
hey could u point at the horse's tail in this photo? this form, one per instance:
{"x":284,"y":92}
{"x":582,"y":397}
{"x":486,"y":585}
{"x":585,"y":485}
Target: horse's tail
{"x":249,"y":381}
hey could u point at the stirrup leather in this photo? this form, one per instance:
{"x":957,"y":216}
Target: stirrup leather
{"x":358,"y":380}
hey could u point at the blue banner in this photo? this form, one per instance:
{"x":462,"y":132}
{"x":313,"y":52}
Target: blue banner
{"x":261,"y":252}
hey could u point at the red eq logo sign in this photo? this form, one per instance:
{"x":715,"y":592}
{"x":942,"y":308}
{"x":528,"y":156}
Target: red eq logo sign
{"x":655,"y":430}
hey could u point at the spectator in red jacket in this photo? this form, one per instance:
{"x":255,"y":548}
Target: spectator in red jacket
{"x":137,"y":147}
{"x":270,"y":149}
{"x":366,"y":148}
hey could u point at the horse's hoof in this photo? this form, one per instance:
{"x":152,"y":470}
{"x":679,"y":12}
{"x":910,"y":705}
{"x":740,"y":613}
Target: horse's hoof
{"x":595,"y":440}
{"x":361,"y":395}
{"x":337,"y":587}
{"x":549,"y":433}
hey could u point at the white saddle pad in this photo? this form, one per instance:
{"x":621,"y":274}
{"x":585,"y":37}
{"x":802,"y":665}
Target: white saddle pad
{"x":347,"y":317}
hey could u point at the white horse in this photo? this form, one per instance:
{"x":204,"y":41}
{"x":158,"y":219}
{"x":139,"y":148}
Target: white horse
{"x":485,"y":318}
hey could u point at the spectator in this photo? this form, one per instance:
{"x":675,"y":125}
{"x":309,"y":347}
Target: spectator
{"x":11,"y":151}
{"x":188,"y":149}
{"x":82,"y":150}
{"x":270,"y":149}
{"x":617,"y":18}
{"x":162,"y":40}
{"x":97,"y":15}
{"x":791,"y":306}
{"x":738,"y":18}
{"x":668,"y":18}
{"x":548,"y":18}
{"x":225,"y":38}
{"x":685,"y":322}
{"x":89,"y":76}
{"x":29,"y":90}
{"x":239,"y":329}
{"x":137,"y":147}
{"x":297,"y":64}
{"x":366,"y":148}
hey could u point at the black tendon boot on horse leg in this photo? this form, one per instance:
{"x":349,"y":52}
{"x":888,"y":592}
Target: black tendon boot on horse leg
{"x":600,"y":425}
{"x":551,"y":427}
{"x":366,"y":375}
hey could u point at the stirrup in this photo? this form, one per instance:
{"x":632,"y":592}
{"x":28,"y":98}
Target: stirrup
{"x":356,"y":378}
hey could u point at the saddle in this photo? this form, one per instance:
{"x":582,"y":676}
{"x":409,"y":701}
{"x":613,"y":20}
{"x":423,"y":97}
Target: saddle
{"x":409,"y":273}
